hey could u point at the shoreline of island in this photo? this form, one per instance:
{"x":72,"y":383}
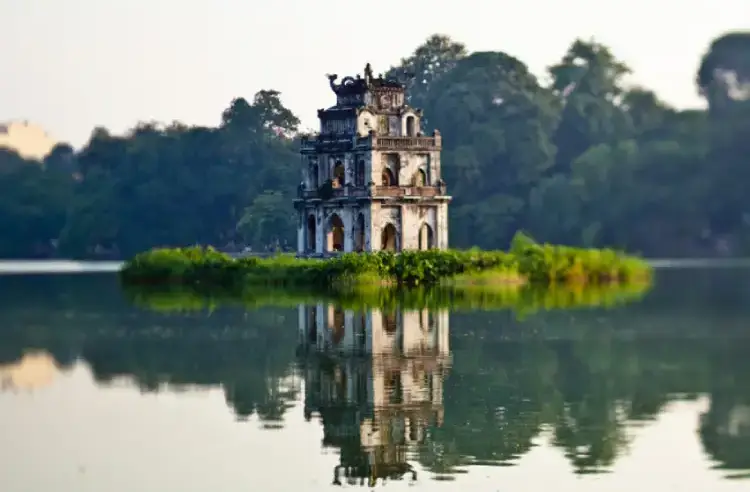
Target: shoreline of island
{"x":525,"y":262}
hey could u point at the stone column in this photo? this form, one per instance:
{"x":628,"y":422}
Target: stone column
{"x":368,"y":227}
{"x":301,"y":233}
{"x":348,"y":229}
{"x":441,"y":223}
{"x":320,"y":230}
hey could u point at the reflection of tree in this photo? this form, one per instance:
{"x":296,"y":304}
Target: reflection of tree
{"x":250,"y":370}
{"x":583,"y":375}
{"x":511,"y":380}
{"x":247,"y":354}
{"x":725,"y":427}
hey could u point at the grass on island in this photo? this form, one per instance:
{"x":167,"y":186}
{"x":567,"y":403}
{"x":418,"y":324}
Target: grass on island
{"x":520,"y":298}
{"x":526,"y":261}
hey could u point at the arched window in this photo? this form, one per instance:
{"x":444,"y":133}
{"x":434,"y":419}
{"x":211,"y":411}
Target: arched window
{"x":387,"y":178}
{"x":411,"y":126}
{"x":388,"y":238}
{"x":426,"y":240}
{"x":420,"y":178}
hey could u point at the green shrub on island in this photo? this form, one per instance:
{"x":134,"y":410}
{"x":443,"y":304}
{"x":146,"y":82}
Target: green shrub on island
{"x":526,"y":261}
{"x":522,"y":299}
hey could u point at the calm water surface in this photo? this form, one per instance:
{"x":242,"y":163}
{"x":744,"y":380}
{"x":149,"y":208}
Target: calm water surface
{"x":98,"y":395}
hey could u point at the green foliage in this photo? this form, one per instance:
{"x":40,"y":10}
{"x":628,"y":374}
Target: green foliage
{"x":583,"y":159}
{"x":527,"y":260}
{"x":522,"y":299}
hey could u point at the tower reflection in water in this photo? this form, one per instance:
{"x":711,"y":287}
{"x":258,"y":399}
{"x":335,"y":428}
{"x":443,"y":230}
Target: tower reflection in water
{"x":375,"y":379}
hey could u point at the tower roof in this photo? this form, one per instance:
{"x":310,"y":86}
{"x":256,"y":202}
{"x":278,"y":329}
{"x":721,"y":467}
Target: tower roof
{"x":359,"y":85}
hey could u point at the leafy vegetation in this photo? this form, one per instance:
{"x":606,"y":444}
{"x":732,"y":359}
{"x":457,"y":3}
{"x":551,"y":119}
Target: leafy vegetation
{"x":584,"y":160}
{"x":526,"y":261}
{"x":589,"y":379}
{"x":522,"y":299}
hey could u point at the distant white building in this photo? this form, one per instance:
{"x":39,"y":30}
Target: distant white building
{"x":28,"y":139}
{"x":32,"y":371}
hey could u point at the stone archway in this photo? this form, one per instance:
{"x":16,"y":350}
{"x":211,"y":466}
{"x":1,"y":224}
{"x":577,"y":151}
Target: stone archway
{"x":426,"y":237}
{"x":359,"y":241}
{"x":389,"y":238}
{"x":311,"y":230}
{"x":335,"y":236}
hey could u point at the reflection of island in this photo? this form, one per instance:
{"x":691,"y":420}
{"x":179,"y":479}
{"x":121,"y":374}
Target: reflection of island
{"x":586,"y":377}
{"x":376,"y":380}
{"x":34,"y":370}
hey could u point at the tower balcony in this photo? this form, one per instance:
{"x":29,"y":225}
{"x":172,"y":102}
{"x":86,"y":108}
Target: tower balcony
{"x":409,"y":191}
{"x":438,"y":191}
{"x":327,"y":142}
{"x":406,"y":143}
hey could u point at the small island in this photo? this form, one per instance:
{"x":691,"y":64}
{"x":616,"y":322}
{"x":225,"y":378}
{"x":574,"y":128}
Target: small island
{"x":372,"y":210}
{"x":525,"y":262}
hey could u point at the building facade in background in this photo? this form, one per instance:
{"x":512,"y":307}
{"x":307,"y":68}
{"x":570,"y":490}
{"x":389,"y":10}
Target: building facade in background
{"x":28,"y":140}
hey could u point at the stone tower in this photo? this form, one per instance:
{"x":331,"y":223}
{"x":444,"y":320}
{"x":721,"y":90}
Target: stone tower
{"x":371,"y":180}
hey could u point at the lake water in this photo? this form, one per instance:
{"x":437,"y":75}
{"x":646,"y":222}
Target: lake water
{"x":99,"y":395}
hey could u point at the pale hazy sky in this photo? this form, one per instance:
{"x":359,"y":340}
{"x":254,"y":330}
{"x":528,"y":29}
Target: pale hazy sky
{"x":70,"y":65}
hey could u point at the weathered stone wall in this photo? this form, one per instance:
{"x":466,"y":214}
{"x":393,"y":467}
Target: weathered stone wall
{"x":384,"y":216}
{"x":408,"y":163}
{"x":417,"y":225}
{"x":415,"y":217}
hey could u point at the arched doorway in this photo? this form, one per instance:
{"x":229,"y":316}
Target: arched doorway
{"x":411,"y":129}
{"x":311,"y":233}
{"x":335,"y":233}
{"x":339,"y":175}
{"x":388,"y":238}
{"x":360,"y":237}
{"x":426,"y":240}
{"x":419,"y":179}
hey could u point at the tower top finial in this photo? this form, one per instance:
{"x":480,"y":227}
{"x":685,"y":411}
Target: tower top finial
{"x":368,"y":73}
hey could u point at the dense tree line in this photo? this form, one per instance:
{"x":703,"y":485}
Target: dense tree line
{"x":582,"y":159}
